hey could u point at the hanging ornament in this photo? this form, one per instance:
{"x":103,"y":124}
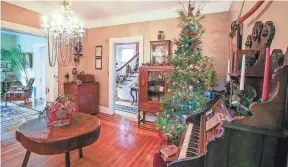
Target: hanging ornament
{"x":191,"y":87}
{"x":191,"y":33}
{"x":191,"y":28}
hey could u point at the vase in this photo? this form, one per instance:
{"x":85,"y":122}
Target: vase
{"x":61,"y":121}
{"x":74,"y":72}
{"x":161,"y":35}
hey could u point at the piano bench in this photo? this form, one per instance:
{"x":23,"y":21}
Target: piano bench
{"x":158,"y":160}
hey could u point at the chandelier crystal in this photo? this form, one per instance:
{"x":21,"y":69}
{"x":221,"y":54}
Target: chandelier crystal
{"x":63,"y":30}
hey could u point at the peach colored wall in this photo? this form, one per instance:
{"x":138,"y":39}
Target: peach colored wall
{"x":215,"y":45}
{"x":15,"y":14}
{"x":270,"y":11}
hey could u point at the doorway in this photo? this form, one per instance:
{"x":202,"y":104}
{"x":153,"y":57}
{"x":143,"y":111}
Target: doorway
{"x":127,"y":62}
{"x":125,"y":70}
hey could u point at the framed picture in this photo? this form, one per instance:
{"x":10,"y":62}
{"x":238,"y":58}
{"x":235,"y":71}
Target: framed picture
{"x":98,"y":63}
{"x":28,"y":59}
{"x":98,"y":51}
{"x":160,"y":52}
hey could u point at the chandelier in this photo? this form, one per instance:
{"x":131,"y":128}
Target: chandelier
{"x":63,"y":32}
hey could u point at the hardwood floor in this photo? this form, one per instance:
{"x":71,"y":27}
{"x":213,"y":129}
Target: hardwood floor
{"x":121,"y":144}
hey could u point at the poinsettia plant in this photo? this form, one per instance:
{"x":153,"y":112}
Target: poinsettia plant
{"x":60,"y":112}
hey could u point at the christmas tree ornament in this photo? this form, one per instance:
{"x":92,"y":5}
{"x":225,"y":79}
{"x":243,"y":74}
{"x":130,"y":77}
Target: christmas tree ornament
{"x":190,"y":87}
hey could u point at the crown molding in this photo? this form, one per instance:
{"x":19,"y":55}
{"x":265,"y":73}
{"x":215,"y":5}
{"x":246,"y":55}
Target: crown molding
{"x":209,"y":8}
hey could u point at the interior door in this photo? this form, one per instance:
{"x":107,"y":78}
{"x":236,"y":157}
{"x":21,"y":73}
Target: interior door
{"x":39,"y":69}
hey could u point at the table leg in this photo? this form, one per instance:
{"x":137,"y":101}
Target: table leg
{"x":144,"y":114}
{"x":139,"y":117}
{"x":27,"y":155}
{"x":131,"y":93}
{"x":67,"y":159}
{"x":80,"y":152}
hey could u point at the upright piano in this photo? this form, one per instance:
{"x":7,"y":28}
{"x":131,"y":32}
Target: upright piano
{"x":216,"y":139}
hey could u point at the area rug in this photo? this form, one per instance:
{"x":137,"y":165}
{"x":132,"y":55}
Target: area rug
{"x":13,"y":111}
{"x":126,"y":108}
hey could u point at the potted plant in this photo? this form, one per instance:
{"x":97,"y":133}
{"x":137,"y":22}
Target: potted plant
{"x":67,"y":77}
{"x":15,"y":58}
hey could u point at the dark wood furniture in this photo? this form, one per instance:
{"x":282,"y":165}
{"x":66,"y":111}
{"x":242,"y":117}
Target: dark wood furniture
{"x":160,"y":52}
{"x":86,"y":96}
{"x":19,"y":94}
{"x":135,"y":99}
{"x":36,"y":137}
{"x":152,"y":88}
{"x":255,"y":140}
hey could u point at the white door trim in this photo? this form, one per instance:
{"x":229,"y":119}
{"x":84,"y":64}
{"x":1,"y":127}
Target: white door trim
{"x":21,"y":28}
{"x":112,"y":64}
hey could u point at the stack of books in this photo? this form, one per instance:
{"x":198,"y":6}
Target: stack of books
{"x":169,"y":152}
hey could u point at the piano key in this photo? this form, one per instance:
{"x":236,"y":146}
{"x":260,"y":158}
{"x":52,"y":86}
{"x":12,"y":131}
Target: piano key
{"x":186,"y":141}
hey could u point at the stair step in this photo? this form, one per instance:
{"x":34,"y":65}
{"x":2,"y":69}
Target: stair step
{"x":133,"y":76}
{"x":128,"y":80}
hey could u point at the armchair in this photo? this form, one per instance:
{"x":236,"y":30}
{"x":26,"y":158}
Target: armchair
{"x":19,"y":94}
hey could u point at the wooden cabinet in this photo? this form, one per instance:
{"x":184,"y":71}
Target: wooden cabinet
{"x":152,"y":88}
{"x":86,"y":96}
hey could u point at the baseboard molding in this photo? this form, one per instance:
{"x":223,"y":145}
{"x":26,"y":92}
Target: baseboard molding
{"x":105,"y":110}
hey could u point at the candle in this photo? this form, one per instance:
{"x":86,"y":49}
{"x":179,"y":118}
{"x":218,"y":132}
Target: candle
{"x":242,"y":78}
{"x":228,"y":71}
{"x":265,"y":88}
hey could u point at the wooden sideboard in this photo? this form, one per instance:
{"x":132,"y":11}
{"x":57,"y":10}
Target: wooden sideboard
{"x":152,"y":88}
{"x":86,"y":96}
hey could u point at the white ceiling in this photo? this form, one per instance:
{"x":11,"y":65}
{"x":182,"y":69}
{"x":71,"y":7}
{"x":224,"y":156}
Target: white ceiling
{"x":104,"y":13}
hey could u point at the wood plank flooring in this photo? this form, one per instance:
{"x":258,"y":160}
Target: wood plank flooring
{"x":121,"y":144}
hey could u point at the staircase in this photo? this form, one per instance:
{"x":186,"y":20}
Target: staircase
{"x":126,"y":77}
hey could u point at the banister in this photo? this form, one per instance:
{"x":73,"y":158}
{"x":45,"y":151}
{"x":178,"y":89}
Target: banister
{"x":250,"y":12}
{"x":137,"y":54}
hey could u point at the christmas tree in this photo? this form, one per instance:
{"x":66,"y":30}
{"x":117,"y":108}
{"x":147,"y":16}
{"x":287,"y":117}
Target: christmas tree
{"x":191,"y":79}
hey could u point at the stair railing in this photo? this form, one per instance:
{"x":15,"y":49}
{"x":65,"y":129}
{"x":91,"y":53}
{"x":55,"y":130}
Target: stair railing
{"x":126,"y":70}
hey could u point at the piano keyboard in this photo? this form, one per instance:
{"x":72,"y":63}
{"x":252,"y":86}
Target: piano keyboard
{"x":190,"y":143}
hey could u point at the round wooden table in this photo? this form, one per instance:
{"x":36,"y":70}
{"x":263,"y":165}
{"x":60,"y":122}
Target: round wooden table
{"x":36,"y":137}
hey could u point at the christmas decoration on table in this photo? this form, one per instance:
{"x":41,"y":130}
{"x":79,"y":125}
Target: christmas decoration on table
{"x":191,"y":79}
{"x":60,"y":112}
